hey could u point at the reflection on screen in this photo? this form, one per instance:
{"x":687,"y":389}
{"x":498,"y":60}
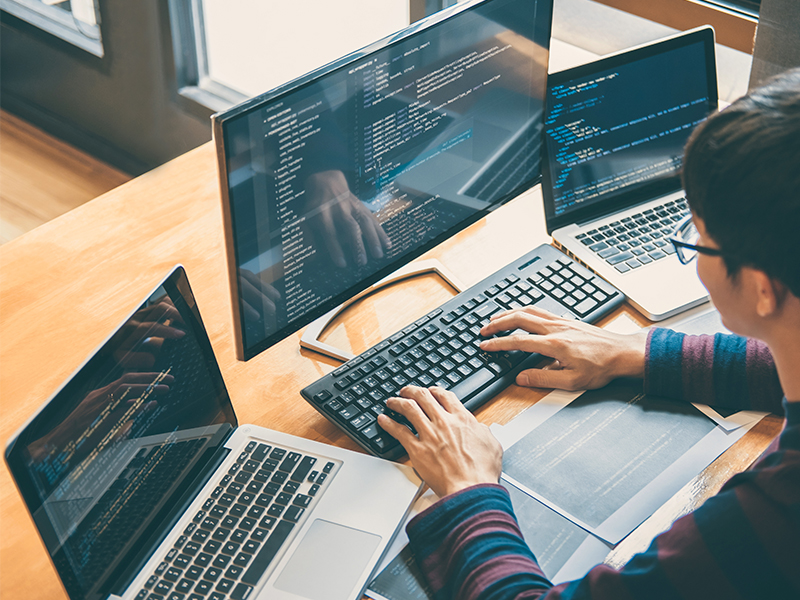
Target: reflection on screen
{"x":362,"y":167}
{"x":621,"y":129}
{"x":119,"y":441}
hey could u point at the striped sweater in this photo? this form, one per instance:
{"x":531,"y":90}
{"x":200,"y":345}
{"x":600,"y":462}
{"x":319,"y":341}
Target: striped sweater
{"x":742,"y":543}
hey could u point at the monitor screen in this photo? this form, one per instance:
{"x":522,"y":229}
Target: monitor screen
{"x":337,"y":179}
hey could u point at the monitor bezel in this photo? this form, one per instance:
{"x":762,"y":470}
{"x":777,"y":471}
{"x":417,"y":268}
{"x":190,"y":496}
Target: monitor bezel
{"x":704,"y":35}
{"x":218,"y":121}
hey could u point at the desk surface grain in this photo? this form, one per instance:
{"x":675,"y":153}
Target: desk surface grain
{"x":65,"y":285}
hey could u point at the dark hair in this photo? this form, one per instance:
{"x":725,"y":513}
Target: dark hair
{"x":741,"y":174}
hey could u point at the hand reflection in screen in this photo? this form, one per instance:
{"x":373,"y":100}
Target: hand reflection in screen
{"x":259,"y":299}
{"x":129,"y":389}
{"x":139,"y":341}
{"x":349,"y":230}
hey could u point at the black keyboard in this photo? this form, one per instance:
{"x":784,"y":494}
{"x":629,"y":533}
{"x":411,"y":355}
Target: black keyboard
{"x":442,"y":348}
{"x":637,"y":240}
{"x":241,"y":527}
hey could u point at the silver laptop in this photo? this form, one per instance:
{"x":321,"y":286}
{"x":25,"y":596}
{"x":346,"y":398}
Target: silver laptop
{"x":143,"y":486}
{"x":615,"y":130}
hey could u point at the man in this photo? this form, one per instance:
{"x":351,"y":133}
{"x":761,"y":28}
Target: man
{"x":742,"y":180}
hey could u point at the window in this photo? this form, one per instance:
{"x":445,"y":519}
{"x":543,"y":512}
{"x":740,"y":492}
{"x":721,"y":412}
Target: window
{"x":228,"y":51}
{"x":74,"y":21}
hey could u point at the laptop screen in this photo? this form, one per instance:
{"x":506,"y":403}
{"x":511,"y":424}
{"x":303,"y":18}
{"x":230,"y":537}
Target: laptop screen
{"x":336,"y":180}
{"x":615,"y":128}
{"x":107,"y":459}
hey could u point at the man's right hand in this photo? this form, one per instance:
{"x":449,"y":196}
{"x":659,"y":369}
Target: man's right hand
{"x":586,"y":357}
{"x":452,"y":450}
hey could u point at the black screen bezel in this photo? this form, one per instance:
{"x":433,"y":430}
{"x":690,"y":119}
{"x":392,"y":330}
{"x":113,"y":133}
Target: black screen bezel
{"x":244,"y":352}
{"x":654,"y":189}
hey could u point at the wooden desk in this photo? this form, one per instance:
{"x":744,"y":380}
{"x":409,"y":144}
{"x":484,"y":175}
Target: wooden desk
{"x":67,"y":284}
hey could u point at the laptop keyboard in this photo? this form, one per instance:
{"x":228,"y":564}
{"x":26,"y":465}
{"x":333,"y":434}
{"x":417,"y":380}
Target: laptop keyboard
{"x":519,"y":163}
{"x":637,"y":240}
{"x":442,"y":348}
{"x":241,"y":527}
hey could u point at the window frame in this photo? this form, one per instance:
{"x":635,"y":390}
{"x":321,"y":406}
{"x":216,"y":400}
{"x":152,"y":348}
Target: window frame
{"x":59,"y":22}
{"x":735,"y":29}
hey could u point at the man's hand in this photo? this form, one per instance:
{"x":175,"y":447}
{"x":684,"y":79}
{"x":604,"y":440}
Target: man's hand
{"x":586,"y":357}
{"x":452,"y":450}
{"x":349,"y":230}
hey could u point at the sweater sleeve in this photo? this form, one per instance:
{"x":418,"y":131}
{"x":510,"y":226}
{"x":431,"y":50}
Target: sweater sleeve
{"x":470,"y":547}
{"x":470,"y":542}
{"x":726,"y":371}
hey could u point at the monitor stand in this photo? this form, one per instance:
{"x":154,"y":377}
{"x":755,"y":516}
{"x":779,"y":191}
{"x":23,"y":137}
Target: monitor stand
{"x":310,"y":337}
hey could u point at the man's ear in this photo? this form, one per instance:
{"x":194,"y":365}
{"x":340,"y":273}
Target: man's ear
{"x":769,"y":293}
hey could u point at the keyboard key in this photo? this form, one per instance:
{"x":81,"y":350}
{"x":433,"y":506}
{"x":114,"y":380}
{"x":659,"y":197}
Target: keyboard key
{"x":619,"y":258}
{"x":191,"y":548}
{"x":242,"y":559}
{"x":203,"y":559}
{"x":293,"y":513}
{"x":598,"y":247}
{"x":362,"y":420}
{"x":586,"y":306}
{"x":263,"y":559}
{"x":230,"y":548}
{"x":203,"y":587}
{"x":241,"y":591}
{"x":162,"y":587}
{"x":303,"y":468}
{"x":221,"y":561}
{"x":349,"y":412}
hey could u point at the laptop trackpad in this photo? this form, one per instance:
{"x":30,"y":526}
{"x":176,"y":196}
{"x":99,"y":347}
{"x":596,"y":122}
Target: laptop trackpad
{"x":328,"y":562}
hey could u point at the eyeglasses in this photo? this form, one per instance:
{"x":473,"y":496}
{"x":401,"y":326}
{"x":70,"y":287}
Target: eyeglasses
{"x":685,"y":241}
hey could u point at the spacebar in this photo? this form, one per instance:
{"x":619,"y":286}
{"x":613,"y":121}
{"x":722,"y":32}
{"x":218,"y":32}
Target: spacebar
{"x":268,"y":552}
{"x":473,"y":383}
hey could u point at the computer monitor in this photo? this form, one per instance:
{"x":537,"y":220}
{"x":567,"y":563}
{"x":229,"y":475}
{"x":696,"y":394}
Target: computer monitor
{"x":334,"y":180}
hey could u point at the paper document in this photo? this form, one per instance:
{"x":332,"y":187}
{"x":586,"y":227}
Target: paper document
{"x":609,"y":458}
